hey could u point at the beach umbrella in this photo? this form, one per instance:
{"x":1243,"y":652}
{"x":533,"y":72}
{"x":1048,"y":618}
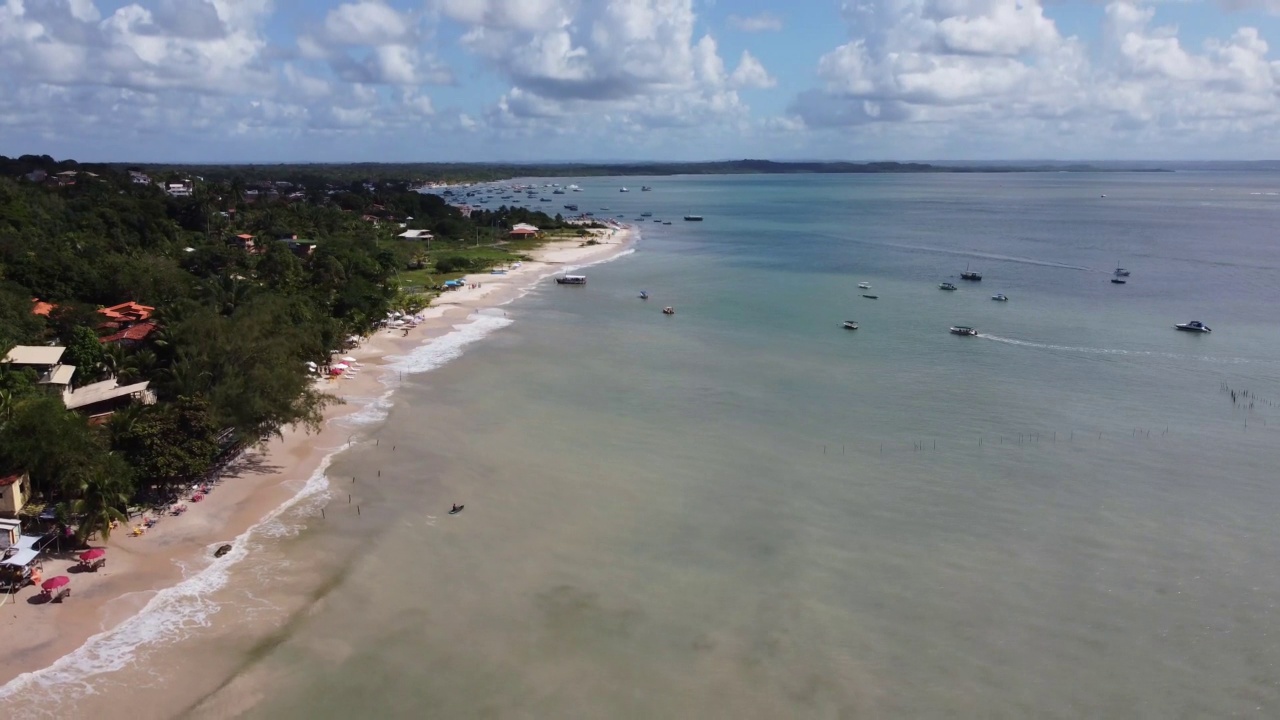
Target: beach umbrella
{"x":93,"y":554}
{"x":348,"y":359}
{"x":341,"y":366}
{"x":54,"y":583}
{"x":336,"y":371}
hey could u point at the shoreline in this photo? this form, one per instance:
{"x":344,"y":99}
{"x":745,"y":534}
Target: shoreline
{"x":173,"y":561}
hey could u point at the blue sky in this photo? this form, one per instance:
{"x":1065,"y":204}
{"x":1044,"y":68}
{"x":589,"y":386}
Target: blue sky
{"x":537,"y":80}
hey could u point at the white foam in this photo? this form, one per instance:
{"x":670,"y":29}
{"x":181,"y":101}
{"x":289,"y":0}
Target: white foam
{"x":1111,"y":351}
{"x":451,"y":345}
{"x":169,"y":615}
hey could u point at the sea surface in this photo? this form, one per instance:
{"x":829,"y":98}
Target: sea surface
{"x":743,"y":510}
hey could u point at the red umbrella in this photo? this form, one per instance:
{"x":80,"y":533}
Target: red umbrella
{"x":93,"y":554}
{"x":54,"y":583}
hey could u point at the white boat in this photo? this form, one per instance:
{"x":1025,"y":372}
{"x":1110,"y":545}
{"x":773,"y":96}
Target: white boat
{"x":1000,"y":297}
{"x":963,"y":330}
{"x":864,"y":286}
{"x":1194,"y":326}
{"x":946,"y":286}
{"x":622,"y":189}
{"x":850,"y":325}
{"x":572,"y":280}
{"x":968,"y":274}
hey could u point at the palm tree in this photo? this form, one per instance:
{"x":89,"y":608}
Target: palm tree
{"x":102,"y":494}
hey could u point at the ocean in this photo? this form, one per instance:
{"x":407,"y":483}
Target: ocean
{"x":743,"y":510}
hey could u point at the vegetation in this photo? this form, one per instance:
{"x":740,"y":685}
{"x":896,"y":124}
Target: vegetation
{"x":236,"y":321}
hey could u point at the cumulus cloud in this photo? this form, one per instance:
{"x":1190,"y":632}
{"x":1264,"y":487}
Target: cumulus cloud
{"x":998,"y":68}
{"x":371,"y":42}
{"x":751,"y":74}
{"x":764,"y":22}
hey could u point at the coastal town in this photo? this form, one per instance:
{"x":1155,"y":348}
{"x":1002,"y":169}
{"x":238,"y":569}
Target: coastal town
{"x":166,"y":338}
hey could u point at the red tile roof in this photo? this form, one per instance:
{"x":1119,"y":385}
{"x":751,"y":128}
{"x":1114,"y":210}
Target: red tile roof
{"x":41,"y":308}
{"x":11,"y":479}
{"x":133,"y":333}
{"x":127,"y":312}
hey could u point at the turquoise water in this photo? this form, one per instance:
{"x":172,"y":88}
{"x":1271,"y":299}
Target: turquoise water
{"x":743,"y":510}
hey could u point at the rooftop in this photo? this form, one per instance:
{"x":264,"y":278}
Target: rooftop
{"x":34,"y":355}
{"x":127,"y":312}
{"x":133,"y":333}
{"x":41,"y":308}
{"x":59,"y":375}
{"x":10,"y":479}
{"x":100,"y":391}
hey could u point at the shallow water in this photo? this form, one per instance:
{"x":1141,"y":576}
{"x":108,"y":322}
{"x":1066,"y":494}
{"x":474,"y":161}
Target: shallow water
{"x":744,"y":510}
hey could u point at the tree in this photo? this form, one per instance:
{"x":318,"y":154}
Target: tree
{"x":168,"y":443}
{"x":86,"y":354}
{"x":101,"y":499}
{"x":55,"y":445}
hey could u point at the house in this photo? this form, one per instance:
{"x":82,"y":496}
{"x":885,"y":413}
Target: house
{"x":179,"y":188}
{"x":416,"y":235}
{"x":523,"y":230}
{"x":46,"y":362}
{"x":128,"y":323}
{"x":15,"y":490}
{"x":244,"y":241}
{"x":41,"y":308}
{"x":100,"y":399}
{"x":138,"y":177}
{"x":301,"y":248}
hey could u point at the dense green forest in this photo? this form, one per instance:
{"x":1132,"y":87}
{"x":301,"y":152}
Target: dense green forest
{"x":236,"y":321}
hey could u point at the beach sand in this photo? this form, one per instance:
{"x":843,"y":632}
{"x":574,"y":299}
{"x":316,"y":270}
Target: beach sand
{"x":36,"y":634}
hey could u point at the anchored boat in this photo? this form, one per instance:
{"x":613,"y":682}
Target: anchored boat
{"x":1194,"y":326}
{"x":850,"y":325}
{"x":572,"y":280}
{"x":946,"y":286}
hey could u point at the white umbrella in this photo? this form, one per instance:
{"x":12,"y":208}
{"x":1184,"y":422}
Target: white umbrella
{"x":348,"y":359}
{"x":341,"y":366}
{"x":310,"y":364}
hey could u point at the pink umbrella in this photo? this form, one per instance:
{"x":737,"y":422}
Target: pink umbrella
{"x":54,"y":583}
{"x":93,"y":554}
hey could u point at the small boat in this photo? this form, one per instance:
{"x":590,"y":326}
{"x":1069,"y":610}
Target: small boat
{"x":946,"y":286}
{"x":666,"y":222}
{"x":850,"y":324}
{"x":871,"y":297}
{"x":644,"y":294}
{"x":572,"y":208}
{"x":456,"y":509}
{"x":1117,"y":281}
{"x":622,"y":189}
{"x":1000,"y":297}
{"x":645,"y":188}
{"x":646,"y":214}
{"x":693,"y":218}
{"x":1121,"y":272}
{"x":864,"y":286}
{"x":557,"y":192}
{"x":963,"y":330}
{"x":970,"y":274}
{"x":1194,"y":326}
{"x":668,"y":310}
{"x":572,"y":280}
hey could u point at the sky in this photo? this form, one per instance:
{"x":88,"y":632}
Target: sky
{"x":611,"y":80}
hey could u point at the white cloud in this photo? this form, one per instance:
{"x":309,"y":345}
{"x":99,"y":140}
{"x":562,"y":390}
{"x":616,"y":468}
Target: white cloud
{"x":764,"y":22}
{"x":751,"y":74}
{"x":1003,"y":71}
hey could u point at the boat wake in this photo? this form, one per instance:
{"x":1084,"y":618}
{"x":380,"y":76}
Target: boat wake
{"x":1112,"y":351}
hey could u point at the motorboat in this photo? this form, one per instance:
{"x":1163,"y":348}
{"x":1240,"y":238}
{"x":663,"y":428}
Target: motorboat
{"x":946,"y":286}
{"x":693,"y":218}
{"x":963,"y":330}
{"x":572,"y":280}
{"x":646,"y":214}
{"x":622,"y":189}
{"x":968,"y":274}
{"x":668,"y":310}
{"x":571,"y":207}
{"x":666,"y":222}
{"x":1121,"y":272}
{"x":871,"y":297}
{"x":645,"y":188}
{"x":456,"y":509}
{"x":1194,"y":326}
{"x":864,"y":286}
{"x":644,"y":294}
{"x":1117,"y":281}
{"x":1000,"y":297}
{"x":850,"y":324}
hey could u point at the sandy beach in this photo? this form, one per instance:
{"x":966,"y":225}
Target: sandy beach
{"x":37,"y":633}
